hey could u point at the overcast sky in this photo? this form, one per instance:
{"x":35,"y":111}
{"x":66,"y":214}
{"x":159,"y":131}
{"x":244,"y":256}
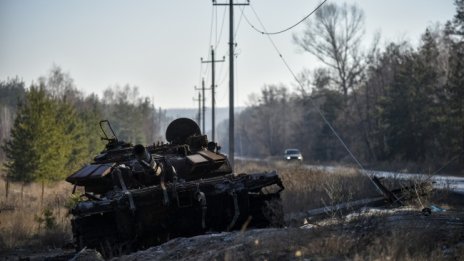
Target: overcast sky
{"x":157,"y":45}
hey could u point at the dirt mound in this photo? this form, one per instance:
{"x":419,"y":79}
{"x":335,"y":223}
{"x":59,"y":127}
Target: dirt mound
{"x":403,"y":233}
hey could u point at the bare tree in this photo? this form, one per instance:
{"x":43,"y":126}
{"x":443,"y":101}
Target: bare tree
{"x":334,"y":37}
{"x":60,"y":85}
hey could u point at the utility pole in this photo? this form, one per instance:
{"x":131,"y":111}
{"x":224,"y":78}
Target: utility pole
{"x":213,"y":83}
{"x":203,"y":103}
{"x":199,"y":107}
{"x":231,"y":77}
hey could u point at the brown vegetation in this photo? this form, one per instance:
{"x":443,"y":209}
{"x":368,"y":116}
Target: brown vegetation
{"x":400,"y":235}
{"x":25,"y":224}
{"x":309,"y":188}
{"x":367,"y":236}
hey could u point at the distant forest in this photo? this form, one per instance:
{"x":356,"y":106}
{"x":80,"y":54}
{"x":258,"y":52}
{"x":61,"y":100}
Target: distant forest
{"x":51,"y":128}
{"x":394,"y":105}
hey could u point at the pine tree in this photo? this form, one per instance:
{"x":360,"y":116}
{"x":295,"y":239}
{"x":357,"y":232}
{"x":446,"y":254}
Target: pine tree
{"x":400,"y":116}
{"x":32,"y":151}
{"x":74,"y":144}
{"x":429,"y":75}
{"x":458,"y":20}
{"x":327,"y":147}
{"x":455,"y":89}
{"x":455,"y":84}
{"x":90,"y":112}
{"x":48,"y":140}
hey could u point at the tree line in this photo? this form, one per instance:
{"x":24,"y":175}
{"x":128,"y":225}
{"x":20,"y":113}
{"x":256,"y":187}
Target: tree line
{"x":393,"y":105}
{"x":51,"y":129}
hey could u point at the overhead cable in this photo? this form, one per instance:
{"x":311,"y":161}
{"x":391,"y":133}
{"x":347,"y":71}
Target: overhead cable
{"x":220,"y":32}
{"x":239,"y":22}
{"x":332,"y":129}
{"x":288,"y":28}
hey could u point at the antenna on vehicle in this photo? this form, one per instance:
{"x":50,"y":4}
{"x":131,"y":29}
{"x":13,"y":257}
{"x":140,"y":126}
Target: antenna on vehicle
{"x":114,"y":138}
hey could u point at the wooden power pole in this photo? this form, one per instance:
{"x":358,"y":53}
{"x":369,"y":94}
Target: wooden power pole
{"x":199,"y":107}
{"x":231,"y":77}
{"x":203,"y":104}
{"x":213,"y":83}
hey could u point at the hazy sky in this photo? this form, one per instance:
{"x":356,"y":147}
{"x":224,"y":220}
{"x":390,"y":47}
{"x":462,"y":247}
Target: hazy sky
{"x":157,"y":45}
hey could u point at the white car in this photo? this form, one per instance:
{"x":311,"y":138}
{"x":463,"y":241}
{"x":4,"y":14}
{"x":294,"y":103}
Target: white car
{"x":293,"y":154}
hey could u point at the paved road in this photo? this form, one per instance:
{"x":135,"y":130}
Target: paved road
{"x":452,"y":182}
{"x":440,"y":181}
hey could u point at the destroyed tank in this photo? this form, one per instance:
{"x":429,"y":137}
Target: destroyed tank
{"x":133,"y":197}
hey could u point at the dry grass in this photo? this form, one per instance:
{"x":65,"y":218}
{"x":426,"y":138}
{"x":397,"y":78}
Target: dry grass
{"x":307,"y":188}
{"x":390,"y":236}
{"x":378,"y":237}
{"x":363,"y":238}
{"x":412,"y":245}
{"x":28,"y":224}
{"x":25,"y":224}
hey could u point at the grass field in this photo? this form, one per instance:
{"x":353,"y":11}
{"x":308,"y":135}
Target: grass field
{"x":25,"y":224}
{"x":310,"y":188}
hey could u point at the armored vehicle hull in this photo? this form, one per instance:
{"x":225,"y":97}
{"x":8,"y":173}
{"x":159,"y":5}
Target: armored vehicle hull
{"x":135,"y":197}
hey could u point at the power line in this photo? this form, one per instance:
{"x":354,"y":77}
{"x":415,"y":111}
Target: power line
{"x":218,"y":41}
{"x":204,"y":72}
{"x":223,"y":74}
{"x":288,"y":28}
{"x":314,"y":104}
{"x":203,"y":99}
{"x":214,"y":16}
{"x":201,"y":72}
{"x":213,"y":83}
{"x":212,"y":23}
{"x":220,"y":38}
{"x":199,"y":100}
{"x":224,"y":77}
{"x":239,"y":22}
{"x":211,"y":26}
{"x":231,"y":5}
{"x":216,"y":25}
{"x":447,"y":163}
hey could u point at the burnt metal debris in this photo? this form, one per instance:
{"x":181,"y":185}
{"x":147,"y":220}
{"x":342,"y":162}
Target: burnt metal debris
{"x":134,"y":197}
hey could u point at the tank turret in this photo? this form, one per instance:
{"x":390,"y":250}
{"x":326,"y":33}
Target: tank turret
{"x":136,"y":196}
